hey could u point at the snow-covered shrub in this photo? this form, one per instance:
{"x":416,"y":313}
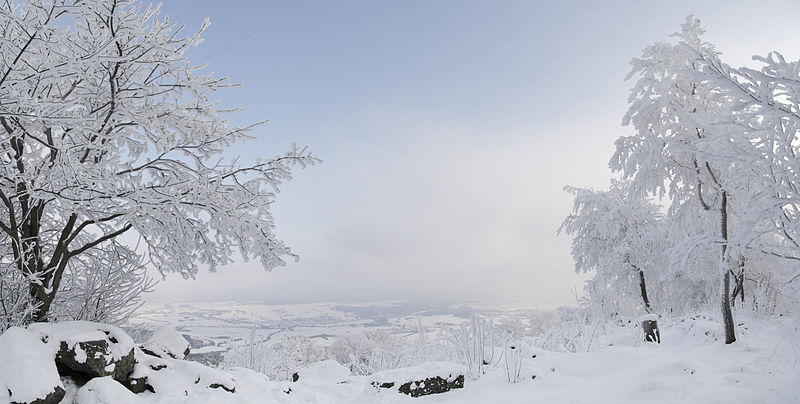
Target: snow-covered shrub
{"x":477,"y":345}
{"x":370,"y":351}
{"x":16,"y":304}
{"x":576,"y":331}
{"x":291,"y":352}
{"x":767,"y":286}
{"x":277,"y":359}
{"x":512,"y":359}
{"x":103,"y":285}
{"x":252,"y":353}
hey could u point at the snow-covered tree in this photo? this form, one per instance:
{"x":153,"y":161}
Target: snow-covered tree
{"x":676,"y":149}
{"x":765,"y":132}
{"x":621,"y":238}
{"x":106,"y":130}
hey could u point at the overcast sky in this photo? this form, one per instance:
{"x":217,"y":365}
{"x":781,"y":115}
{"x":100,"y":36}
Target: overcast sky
{"x":447,"y":128}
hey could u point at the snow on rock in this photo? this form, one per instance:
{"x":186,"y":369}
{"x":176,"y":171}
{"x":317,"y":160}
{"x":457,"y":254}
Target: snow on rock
{"x":136,"y":381}
{"x":429,"y":369}
{"x":27,"y":371}
{"x":648,"y":317}
{"x":425,"y":379}
{"x":166,"y":342}
{"x":166,"y":376}
{"x":89,"y":348}
{"x":323,"y":372}
{"x":105,"y":390}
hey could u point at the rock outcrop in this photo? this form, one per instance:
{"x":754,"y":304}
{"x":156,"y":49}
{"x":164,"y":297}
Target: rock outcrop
{"x":88,"y":349}
{"x":429,"y":378}
{"x":166,"y":343}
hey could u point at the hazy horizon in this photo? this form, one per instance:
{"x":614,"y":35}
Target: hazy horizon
{"x":447,"y":134}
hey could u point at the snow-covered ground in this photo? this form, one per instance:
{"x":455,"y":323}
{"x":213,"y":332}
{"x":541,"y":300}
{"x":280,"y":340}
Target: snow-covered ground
{"x":689,"y":366}
{"x":692,"y":364}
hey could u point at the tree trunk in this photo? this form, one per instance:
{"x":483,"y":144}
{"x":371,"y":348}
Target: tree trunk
{"x":738,"y":279}
{"x":727,"y":314}
{"x":39,"y":295}
{"x":41,"y":315}
{"x":643,"y":291}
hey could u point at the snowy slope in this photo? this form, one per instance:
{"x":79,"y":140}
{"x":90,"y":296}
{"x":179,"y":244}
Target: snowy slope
{"x":688,"y":367}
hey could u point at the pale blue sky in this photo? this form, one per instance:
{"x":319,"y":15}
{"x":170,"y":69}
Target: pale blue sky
{"x":448,"y":129}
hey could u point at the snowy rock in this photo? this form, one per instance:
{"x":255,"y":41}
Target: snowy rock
{"x":167,"y":376}
{"x":431,"y":385}
{"x":87,"y":348}
{"x":166,"y":342}
{"x":27,"y":371}
{"x":105,"y":390}
{"x":651,"y":333}
{"x":136,"y":381}
{"x":324,"y":372}
{"x":428,"y":378}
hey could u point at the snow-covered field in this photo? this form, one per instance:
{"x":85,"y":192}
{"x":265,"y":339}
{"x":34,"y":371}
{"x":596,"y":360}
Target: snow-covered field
{"x":215,"y":326}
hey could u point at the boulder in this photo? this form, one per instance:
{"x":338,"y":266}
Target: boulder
{"x":651,"y":333}
{"x":105,"y":390}
{"x":28,"y":374}
{"x":167,"y":376}
{"x":136,"y":381}
{"x":166,"y":342}
{"x":88,"y":349}
{"x":649,"y":324}
{"x":429,"y":378}
{"x":432,"y":385}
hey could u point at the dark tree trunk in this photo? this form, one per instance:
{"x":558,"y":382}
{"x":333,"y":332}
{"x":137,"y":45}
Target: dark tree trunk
{"x":738,"y":286}
{"x":41,"y":314}
{"x":643,"y":290}
{"x":642,"y":284}
{"x":727,"y":314}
